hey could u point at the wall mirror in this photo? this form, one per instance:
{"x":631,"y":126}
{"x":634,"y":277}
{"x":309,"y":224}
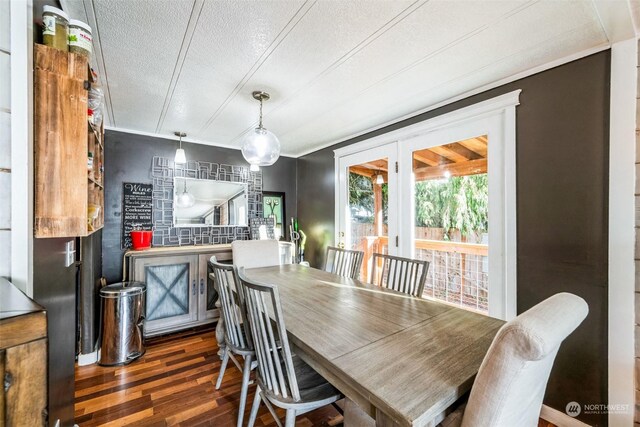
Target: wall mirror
{"x":209,"y":203}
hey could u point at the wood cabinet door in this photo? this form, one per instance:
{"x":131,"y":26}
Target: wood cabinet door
{"x":24,"y":392}
{"x":60,"y":143}
{"x":172,"y":291}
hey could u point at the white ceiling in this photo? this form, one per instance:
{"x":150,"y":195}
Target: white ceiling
{"x":334,"y":68}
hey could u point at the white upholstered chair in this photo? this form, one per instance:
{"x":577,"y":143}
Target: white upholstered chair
{"x":255,"y":253}
{"x":512,"y":379}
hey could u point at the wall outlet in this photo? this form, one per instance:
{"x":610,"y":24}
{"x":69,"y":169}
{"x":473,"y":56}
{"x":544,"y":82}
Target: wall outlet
{"x":70,"y":253}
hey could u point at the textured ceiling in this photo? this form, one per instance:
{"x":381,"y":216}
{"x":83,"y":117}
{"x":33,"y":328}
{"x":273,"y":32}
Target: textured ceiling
{"x":334,"y":68}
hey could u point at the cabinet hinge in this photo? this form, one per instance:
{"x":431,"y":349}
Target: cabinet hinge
{"x":397,"y":240}
{"x":396,"y":167}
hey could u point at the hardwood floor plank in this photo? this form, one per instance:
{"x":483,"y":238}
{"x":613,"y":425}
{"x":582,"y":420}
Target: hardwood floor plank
{"x":173,"y":384}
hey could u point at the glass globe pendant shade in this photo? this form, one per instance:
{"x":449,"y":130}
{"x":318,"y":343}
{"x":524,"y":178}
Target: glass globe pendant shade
{"x":186,"y":200}
{"x":261,"y":147}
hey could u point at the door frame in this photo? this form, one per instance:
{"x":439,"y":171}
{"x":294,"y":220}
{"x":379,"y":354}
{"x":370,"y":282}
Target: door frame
{"x":497,"y":116}
{"x":388,"y":151}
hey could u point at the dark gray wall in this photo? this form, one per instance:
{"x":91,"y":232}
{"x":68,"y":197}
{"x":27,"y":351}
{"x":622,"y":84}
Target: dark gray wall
{"x":54,"y":287}
{"x":562,"y":181}
{"x":128,"y":158}
{"x":88,"y":296}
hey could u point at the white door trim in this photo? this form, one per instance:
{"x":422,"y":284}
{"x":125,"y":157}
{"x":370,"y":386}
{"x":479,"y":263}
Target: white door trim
{"x":621,"y":231}
{"x":496,"y":116}
{"x":500,"y":127}
{"x":489,"y":106}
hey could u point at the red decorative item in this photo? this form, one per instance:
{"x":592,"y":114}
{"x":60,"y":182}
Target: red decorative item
{"x":141,"y":239}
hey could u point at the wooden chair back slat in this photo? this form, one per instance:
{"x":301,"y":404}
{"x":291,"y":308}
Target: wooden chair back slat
{"x":231,"y":307}
{"x":275,"y":364}
{"x":343,"y":262}
{"x":400,"y":274}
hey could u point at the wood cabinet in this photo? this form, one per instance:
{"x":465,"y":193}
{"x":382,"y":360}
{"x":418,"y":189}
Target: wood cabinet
{"x":23,"y":359}
{"x":65,"y":187}
{"x":180,"y":293}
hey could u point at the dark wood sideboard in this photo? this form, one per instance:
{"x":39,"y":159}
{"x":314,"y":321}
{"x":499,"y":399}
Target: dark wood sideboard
{"x":23,"y":359}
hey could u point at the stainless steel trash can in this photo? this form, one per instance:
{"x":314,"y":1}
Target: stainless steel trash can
{"x":123,"y":309}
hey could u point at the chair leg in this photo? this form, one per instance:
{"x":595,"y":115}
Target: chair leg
{"x":223,"y":366}
{"x":254,"y":408}
{"x":290,"y":420}
{"x":246,"y":373}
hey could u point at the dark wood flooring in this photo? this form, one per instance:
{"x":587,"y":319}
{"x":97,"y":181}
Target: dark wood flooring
{"x":173,"y":384}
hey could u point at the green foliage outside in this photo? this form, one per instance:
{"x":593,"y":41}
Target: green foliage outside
{"x":361,"y":199}
{"x":460,"y":202}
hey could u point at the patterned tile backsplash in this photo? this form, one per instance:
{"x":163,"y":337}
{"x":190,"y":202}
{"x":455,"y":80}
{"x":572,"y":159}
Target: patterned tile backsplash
{"x":163,"y":170}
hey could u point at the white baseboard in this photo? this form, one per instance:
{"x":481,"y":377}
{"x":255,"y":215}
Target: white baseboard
{"x":88,"y":359}
{"x":560,"y":418}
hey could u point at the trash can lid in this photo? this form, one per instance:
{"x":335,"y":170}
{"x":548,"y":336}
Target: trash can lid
{"x":122,"y":289}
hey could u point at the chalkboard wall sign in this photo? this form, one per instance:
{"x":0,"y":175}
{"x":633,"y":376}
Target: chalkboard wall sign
{"x":137,"y":206}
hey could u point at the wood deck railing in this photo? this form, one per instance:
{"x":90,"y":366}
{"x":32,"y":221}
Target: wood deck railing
{"x":449,"y":260}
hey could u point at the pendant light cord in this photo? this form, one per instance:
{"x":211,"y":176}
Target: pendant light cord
{"x":260,"y":125}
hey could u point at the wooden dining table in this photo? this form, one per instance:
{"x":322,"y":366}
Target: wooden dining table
{"x":402,"y":360}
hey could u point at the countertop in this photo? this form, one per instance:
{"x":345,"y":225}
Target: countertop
{"x":14,"y":303}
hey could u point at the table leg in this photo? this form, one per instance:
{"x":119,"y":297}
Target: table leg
{"x":220,"y":330}
{"x":383,"y":420}
{"x":354,"y":416}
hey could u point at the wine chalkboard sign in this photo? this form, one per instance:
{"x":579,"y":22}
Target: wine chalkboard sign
{"x":137,"y":206}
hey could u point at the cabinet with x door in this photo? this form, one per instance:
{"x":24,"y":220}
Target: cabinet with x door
{"x":180,"y":293}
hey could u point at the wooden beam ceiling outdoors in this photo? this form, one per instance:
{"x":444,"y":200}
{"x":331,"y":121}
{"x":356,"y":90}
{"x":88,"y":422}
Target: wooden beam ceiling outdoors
{"x":369,"y":173}
{"x":471,"y":167}
{"x":467,"y":157}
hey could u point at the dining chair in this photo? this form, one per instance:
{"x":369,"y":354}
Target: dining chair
{"x":284,"y":380}
{"x":237,"y":341}
{"x":404,"y":275}
{"x":343,"y":262}
{"x":255,"y":253}
{"x":510,"y":385}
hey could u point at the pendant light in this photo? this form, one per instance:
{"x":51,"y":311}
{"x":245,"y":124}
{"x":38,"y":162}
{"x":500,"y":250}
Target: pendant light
{"x":180,"y":156}
{"x":261,"y":147}
{"x":186,"y":199}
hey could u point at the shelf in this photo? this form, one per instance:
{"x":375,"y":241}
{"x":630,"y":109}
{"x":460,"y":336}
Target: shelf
{"x":89,"y":233}
{"x":64,"y":188}
{"x":95,"y":182}
{"x":96,"y":133}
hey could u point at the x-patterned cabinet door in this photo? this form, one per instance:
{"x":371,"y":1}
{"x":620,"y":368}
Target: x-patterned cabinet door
{"x":172,"y":291}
